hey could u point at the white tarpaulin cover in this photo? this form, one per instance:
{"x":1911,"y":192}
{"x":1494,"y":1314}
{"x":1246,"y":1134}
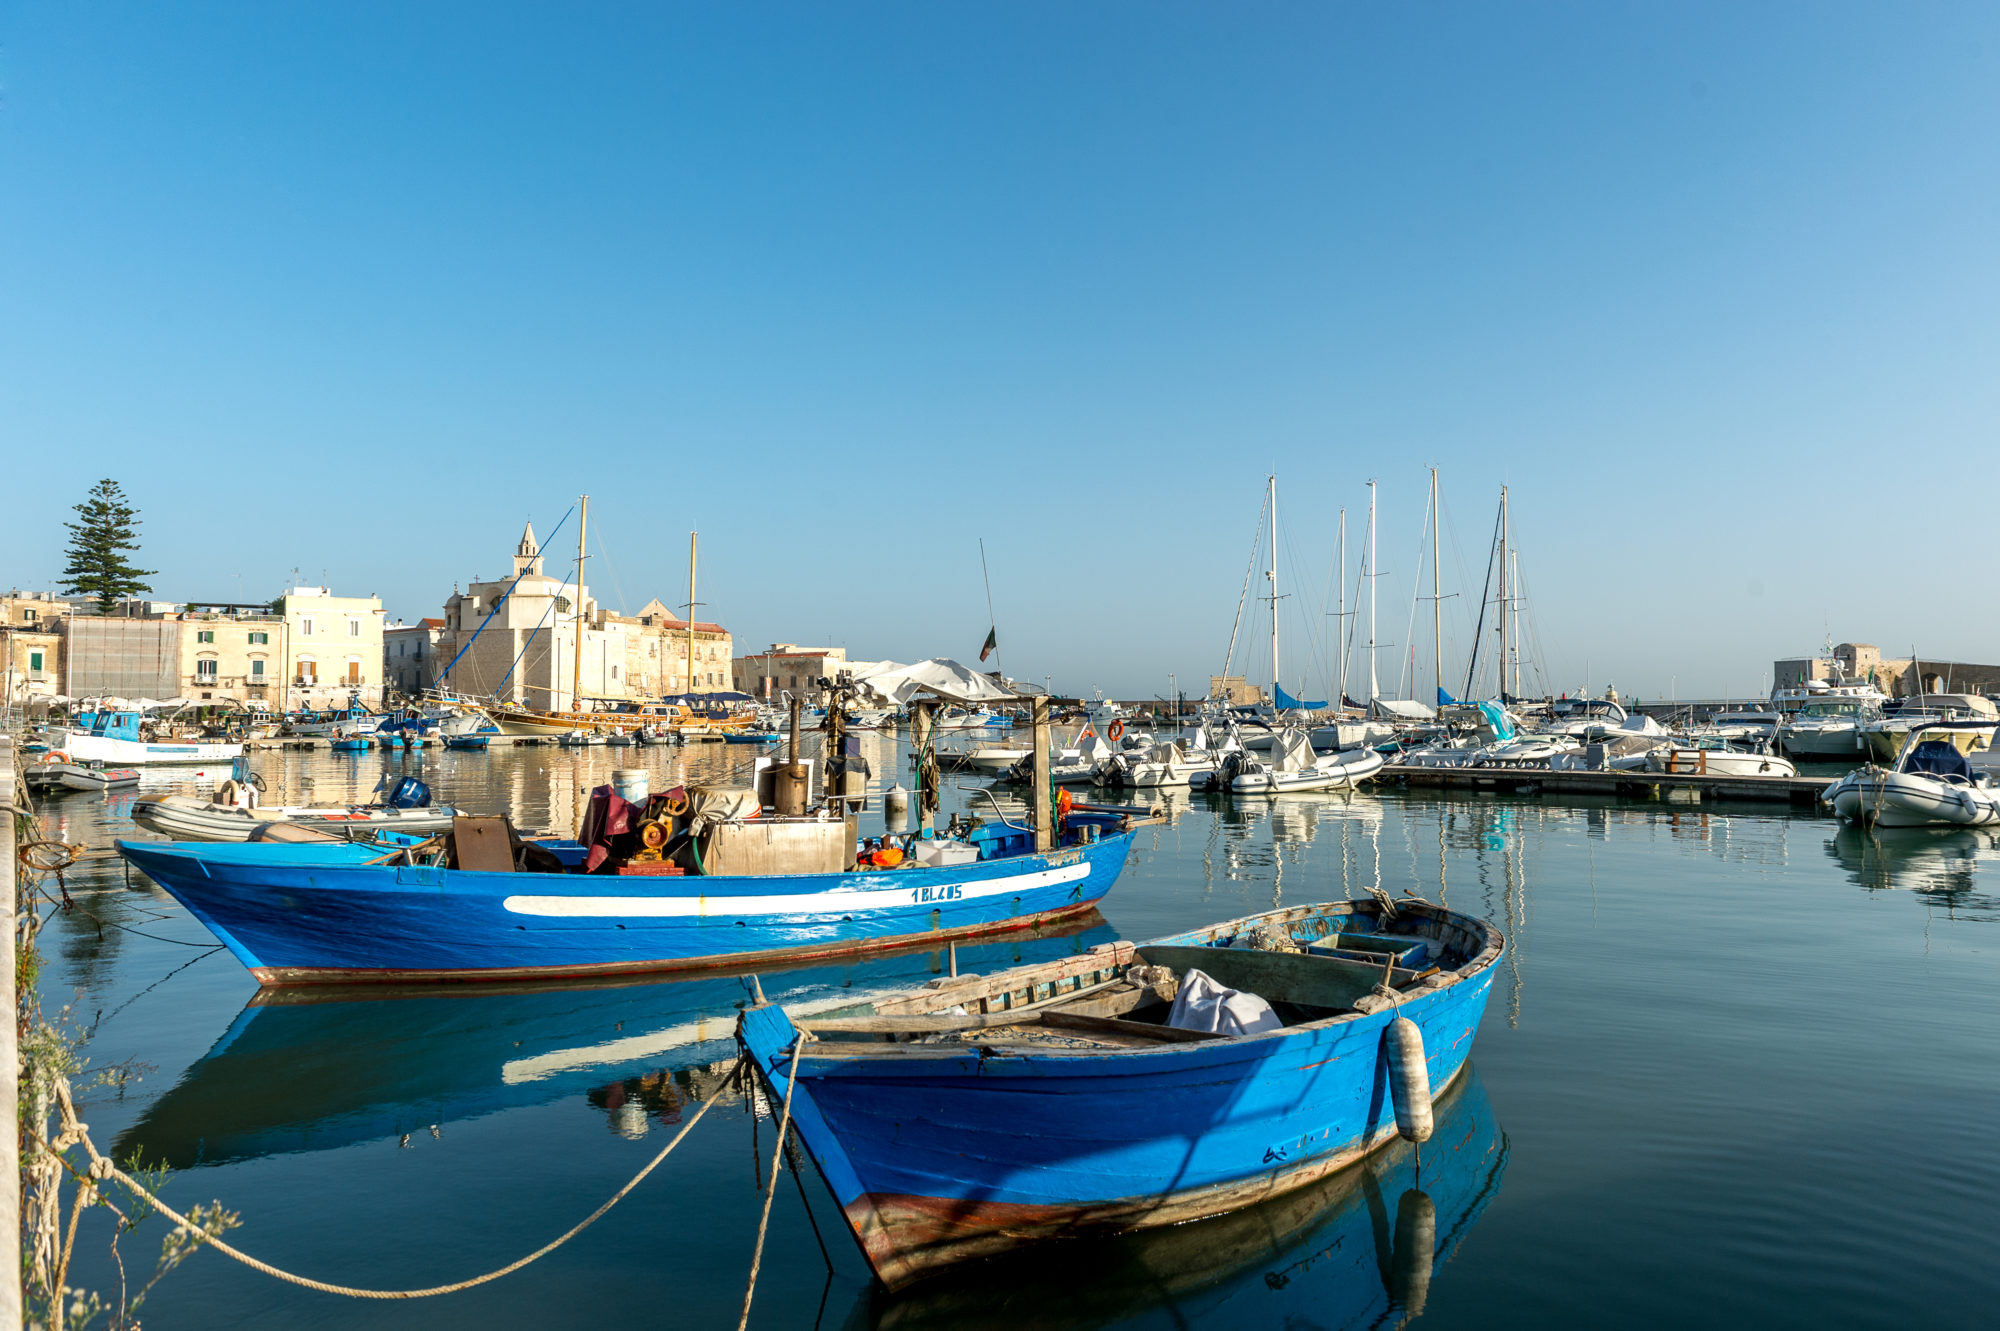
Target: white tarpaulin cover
{"x":1204,"y":1005}
{"x":938,"y":677}
{"x":1399,"y":709}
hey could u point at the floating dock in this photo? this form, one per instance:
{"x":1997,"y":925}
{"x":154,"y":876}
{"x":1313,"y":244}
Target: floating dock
{"x":1675,"y":787}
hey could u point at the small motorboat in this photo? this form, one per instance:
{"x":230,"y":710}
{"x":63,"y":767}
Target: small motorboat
{"x":468,"y":743}
{"x":76,"y":776}
{"x":751,"y":737}
{"x":47,"y":772}
{"x":1713,"y":757}
{"x":1931,"y":784}
{"x":581,"y":739}
{"x":1295,"y":766}
{"x":1130,"y":1087}
{"x":232,"y":814}
{"x":354,"y":743}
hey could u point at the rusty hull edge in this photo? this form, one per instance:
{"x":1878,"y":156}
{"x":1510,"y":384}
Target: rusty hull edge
{"x":909,"y":1238}
{"x":292,"y":975}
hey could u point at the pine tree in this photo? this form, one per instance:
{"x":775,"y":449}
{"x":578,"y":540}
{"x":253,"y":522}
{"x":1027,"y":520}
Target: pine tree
{"x":97,"y":546}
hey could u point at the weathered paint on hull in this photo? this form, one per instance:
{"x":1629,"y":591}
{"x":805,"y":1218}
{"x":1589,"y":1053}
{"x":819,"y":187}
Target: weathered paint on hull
{"x":907,"y":1237}
{"x":945,"y":1152}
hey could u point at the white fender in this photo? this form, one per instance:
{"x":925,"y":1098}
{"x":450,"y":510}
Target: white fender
{"x":1409,"y":1080}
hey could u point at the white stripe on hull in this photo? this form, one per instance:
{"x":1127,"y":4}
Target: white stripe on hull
{"x":841,"y":900}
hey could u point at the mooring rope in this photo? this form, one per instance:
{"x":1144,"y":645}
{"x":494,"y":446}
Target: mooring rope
{"x":771,"y":1193}
{"x":103,"y":1168}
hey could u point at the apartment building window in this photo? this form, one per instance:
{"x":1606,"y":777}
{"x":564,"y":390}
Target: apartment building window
{"x":353,"y":670}
{"x":257,"y":669}
{"x":306,"y":626}
{"x":35,"y":664}
{"x":28,"y":616}
{"x":204,"y":670}
{"x":353,"y":628}
{"x":204,"y":635}
{"x":308,"y":670}
{"x":260,"y":639}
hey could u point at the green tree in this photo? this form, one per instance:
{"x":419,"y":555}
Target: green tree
{"x":97,"y":546}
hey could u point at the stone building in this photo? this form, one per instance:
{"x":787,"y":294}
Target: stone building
{"x":786,"y":667}
{"x":230,"y":651}
{"x":333,"y":647}
{"x":410,"y":662}
{"x":657,"y":652}
{"x":519,"y":639}
{"x":1897,"y":676}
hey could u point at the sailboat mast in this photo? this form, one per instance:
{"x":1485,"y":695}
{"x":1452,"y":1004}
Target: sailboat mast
{"x":691,"y":546}
{"x":1340,"y":619}
{"x":1374,"y":689}
{"x":576,"y":672}
{"x":1437,"y":606}
{"x":1271,"y":501}
{"x":1503,"y":595}
{"x":1514,"y":584}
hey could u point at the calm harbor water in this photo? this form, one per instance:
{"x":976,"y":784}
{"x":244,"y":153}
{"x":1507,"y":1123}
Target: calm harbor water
{"x":1742,"y":1068}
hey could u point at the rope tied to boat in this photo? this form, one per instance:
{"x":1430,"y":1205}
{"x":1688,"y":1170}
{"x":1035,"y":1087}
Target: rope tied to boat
{"x":771,"y":1193}
{"x":103,"y":1169}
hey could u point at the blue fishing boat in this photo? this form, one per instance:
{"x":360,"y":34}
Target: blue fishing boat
{"x":354,"y":744}
{"x":473,"y":742}
{"x":1123,"y":1091}
{"x":351,"y":913}
{"x":751,"y":737}
{"x":1358,"y":1250}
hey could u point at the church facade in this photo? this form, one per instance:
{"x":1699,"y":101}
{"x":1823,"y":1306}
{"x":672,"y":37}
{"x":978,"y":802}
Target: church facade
{"x":526,"y":653}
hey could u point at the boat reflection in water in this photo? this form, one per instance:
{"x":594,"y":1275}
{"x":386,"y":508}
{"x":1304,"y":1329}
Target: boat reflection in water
{"x":1938,"y":863}
{"x":1359,"y":1248}
{"x":315,"y":1069}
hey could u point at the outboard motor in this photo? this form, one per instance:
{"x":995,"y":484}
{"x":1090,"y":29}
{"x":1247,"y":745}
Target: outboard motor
{"x":410,"y":793}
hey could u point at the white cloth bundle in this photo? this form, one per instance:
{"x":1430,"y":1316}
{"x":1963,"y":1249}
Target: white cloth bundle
{"x":1204,"y":1005}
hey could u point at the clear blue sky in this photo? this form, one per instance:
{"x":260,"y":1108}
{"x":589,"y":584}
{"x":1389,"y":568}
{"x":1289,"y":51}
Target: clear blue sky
{"x":357,"y":289}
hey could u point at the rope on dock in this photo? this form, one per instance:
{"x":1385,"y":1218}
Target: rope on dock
{"x":770,"y":1193}
{"x":103,"y":1168}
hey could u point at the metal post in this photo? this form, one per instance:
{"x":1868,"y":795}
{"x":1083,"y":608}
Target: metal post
{"x":1044,"y":815}
{"x":10,"y":1164}
{"x":920,"y":740}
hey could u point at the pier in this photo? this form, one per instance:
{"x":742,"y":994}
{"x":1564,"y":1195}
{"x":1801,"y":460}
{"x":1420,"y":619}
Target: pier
{"x":1675,"y":787}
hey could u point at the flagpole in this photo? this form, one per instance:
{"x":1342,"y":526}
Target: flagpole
{"x":992,"y":626}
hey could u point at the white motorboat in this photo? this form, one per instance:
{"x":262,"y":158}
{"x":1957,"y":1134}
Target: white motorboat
{"x":1352,"y":732}
{"x":1883,"y":737}
{"x":76,"y":776}
{"x":232,"y":813}
{"x":1162,"y":765}
{"x":1294,"y":766}
{"x":1931,"y":784}
{"x":991,"y":758}
{"x":1586,"y":718}
{"x":1712,"y":757}
{"x":1829,"y":727}
{"x":116,"y":740}
{"x":975,"y":718}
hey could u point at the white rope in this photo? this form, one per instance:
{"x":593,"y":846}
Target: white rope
{"x":104,"y":1168}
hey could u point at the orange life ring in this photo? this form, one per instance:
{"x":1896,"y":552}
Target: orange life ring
{"x":1116,"y":731}
{"x":1086,"y":733}
{"x":56,"y":757}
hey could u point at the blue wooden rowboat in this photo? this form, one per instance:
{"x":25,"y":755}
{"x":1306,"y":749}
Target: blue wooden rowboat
{"x":1357,"y":1250}
{"x":354,"y":743}
{"x":320,"y":913}
{"x":1053,"y":1101}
